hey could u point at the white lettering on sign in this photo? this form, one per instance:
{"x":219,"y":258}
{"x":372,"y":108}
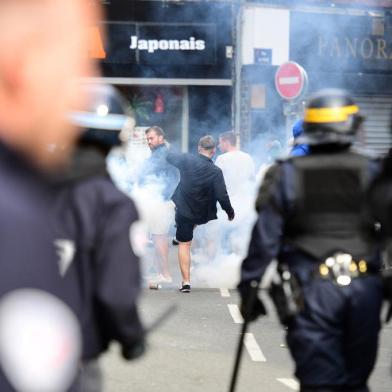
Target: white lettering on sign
{"x":289,"y":80}
{"x":152,"y":45}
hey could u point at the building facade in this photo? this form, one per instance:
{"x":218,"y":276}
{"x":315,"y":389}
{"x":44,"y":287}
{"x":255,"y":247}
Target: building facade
{"x":340,"y":44}
{"x":174,"y":62}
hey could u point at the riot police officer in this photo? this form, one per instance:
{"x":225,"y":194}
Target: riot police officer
{"x":95,"y":225}
{"x":310,"y":219}
{"x":43,"y":54}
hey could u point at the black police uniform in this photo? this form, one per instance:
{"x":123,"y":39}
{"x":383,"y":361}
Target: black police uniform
{"x":309,"y":208}
{"x":93,"y":222}
{"x":28,"y":258}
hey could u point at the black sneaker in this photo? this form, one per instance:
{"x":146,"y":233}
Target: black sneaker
{"x":185,"y":288}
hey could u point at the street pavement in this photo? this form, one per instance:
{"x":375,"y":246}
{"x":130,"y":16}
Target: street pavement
{"x":194,"y":350}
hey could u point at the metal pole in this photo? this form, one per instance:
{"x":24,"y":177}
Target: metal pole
{"x":185,"y":121}
{"x":238,"y":356}
{"x":237,"y":42}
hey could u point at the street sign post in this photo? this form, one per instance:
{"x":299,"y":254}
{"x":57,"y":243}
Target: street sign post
{"x":290,"y":80}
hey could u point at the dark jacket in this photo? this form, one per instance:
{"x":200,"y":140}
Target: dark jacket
{"x":157,"y":170}
{"x":201,"y":187}
{"x":27,"y":258}
{"x":94,"y":216}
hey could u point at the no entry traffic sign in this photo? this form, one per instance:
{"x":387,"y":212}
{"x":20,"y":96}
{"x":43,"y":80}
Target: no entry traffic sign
{"x":290,"y":80}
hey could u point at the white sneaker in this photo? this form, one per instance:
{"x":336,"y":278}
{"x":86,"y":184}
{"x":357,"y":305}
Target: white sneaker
{"x":164,"y":279}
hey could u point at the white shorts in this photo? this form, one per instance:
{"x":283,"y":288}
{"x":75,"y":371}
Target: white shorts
{"x":160,"y":218}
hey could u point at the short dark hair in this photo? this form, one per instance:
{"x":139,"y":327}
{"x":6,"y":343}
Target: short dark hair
{"x":207,"y":143}
{"x":230,"y":137}
{"x":156,"y":129}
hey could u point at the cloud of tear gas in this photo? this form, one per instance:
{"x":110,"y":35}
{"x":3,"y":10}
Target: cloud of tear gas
{"x":219,"y":249}
{"x":218,"y":246}
{"x":125,"y":162}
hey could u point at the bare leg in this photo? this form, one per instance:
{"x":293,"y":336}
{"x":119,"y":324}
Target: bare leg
{"x":162,"y":251}
{"x":184,"y":258}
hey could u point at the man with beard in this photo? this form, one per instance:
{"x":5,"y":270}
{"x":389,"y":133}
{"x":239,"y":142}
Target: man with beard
{"x":159,"y":178}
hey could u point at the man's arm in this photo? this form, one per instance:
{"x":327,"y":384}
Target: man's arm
{"x":221,"y":195}
{"x":118,"y":278}
{"x":175,"y":159}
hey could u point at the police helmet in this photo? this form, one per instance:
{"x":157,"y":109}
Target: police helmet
{"x":105,"y":117}
{"x":331,"y":117}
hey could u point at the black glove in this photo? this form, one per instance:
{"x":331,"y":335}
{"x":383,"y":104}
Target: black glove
{"x":133,"y":350}
{"x":251,"y":305}
{"x":386,"y":276}
{"x":387,"y":286}
{"x":253,"y":313}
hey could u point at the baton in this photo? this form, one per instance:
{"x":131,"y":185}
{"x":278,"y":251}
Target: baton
{"x":254,"y":286}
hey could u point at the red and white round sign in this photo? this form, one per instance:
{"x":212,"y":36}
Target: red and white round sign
{"x":290,"y":80}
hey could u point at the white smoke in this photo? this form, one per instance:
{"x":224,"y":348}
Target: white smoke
{"x":218,"y":247}
{"x":223,"y":271}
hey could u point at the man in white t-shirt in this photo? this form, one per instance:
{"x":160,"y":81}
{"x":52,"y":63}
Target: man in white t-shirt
{"x":239,"y":173}
{"x":237,"y":166}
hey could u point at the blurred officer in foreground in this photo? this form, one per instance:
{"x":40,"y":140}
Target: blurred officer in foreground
{"x":310,"y":220}
{"x":43,"y":50}
{"x":95,"y":225}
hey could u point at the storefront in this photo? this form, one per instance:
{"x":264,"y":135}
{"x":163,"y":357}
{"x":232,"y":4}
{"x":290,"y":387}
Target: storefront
{"x":345,"y":48}
{"x":353,"y":52}
{"x":173,"y":62}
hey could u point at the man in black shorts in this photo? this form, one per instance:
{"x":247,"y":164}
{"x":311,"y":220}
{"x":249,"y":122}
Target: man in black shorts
{"x":201,"y":187}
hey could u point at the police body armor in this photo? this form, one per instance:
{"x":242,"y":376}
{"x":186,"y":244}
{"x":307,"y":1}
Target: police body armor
{"x":326,"y":222}
{"x":329,"y":198}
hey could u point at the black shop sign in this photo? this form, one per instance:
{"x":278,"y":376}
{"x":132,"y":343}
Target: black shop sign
{"x":160,"y":44}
